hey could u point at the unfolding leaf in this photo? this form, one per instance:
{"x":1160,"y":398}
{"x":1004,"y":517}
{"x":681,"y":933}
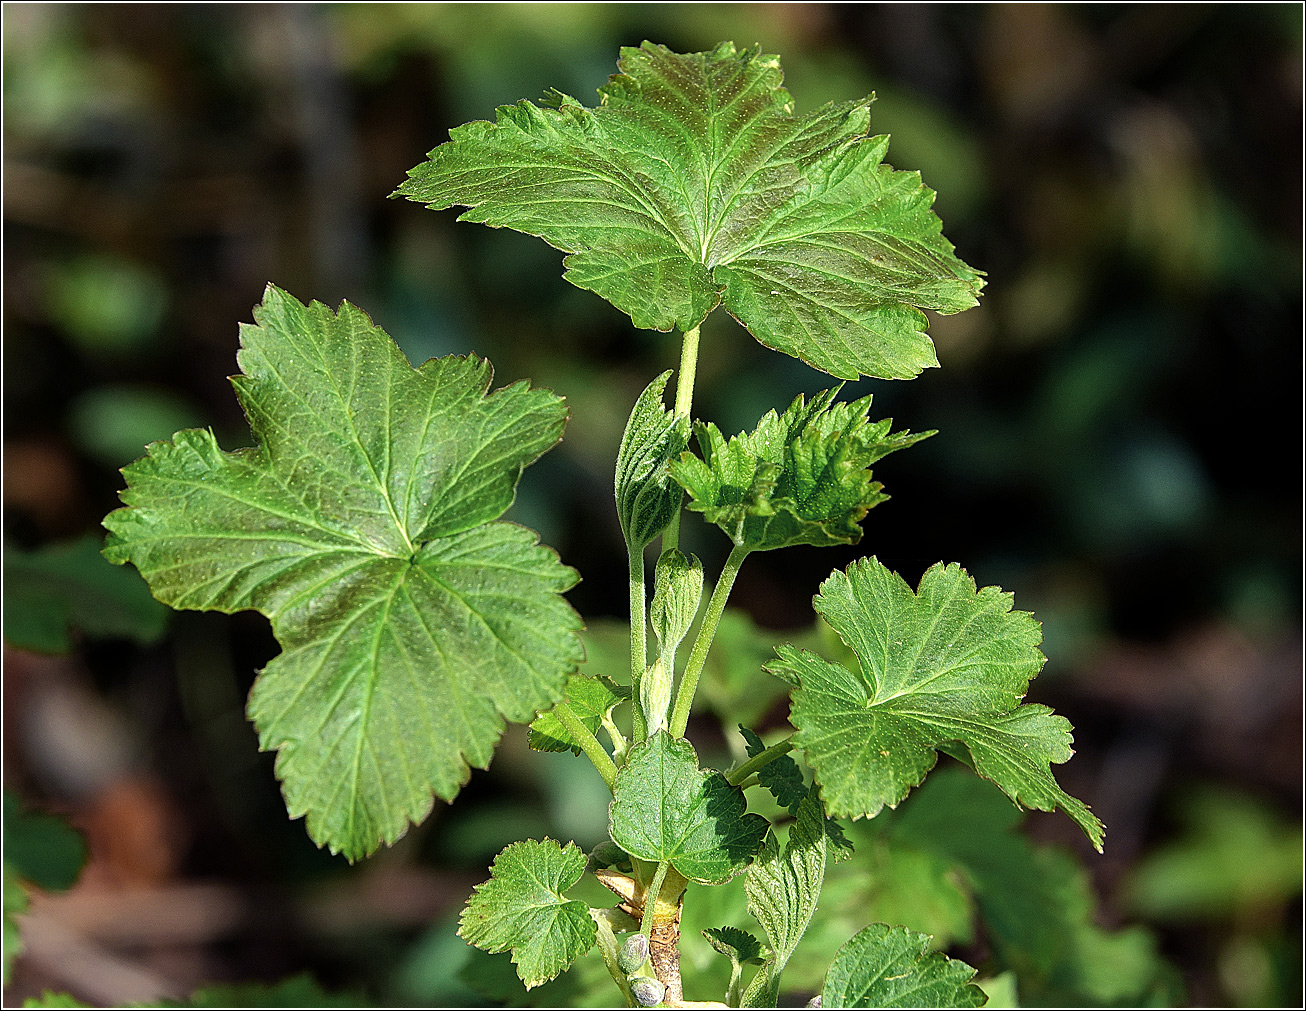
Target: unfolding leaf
{"x":694,"y":184}
{"x":666,"y":808}
{"x":947,"y":663}
{"x":742,"y":948}
{"x":802,"y":477}
{"x":784,"y":780}
{"x":591,"y":699}
{"x":647,"y":498}
{"x":782,"y":890}
{"x":67,"y":586}
{"x":522,"y":908}
{"x":885,"y":966}
{"x":362,"y":525}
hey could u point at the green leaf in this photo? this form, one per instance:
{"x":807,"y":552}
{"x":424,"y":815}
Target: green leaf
{"x":666,"y":808}
{"x":301,"y":991}
{"x":647,"y":498}
{"x":784,"y":780}
{"x":67,"y":586}
{"x":947,"y":663}
{"x":802,"y":477}
{"x":40,"y":849}
{"x":677,"y":592}
{"x":522,"y":908}
{"x":742,"y":948}
{"x":885,"y":966}
{"x":361,"y":525}
{"x":782,"y":891}
{"x":590,"y":698}
{"x":53,"y":998}
{"x":693,"y":184}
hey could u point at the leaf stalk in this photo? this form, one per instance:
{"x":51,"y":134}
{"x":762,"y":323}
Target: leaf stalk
{"x":684,"y":407}
{"x":588,"y":743}
{"x":737,"y":776}
{"x":638,"y":640}
{"x":706,"y":633}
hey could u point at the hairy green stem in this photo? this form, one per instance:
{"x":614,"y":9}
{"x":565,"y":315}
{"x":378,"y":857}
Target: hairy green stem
{"x":684,"y":405}
{"x":638,"y":640}
{"x":651,"y":899}
{"x":706,"y":633}
{"x":608,"y":945}
{"x":737,"y":775}
{"x":588,"y":743}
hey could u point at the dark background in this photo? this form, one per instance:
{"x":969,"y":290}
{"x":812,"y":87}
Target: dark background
{"x":1120,"y":421}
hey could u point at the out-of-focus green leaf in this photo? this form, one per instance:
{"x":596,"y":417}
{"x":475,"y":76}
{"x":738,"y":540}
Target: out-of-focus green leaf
{"x":693,"y":184}
{"x":947,"y":663}
{"x":885,"y":966}
{"x":53,"y":998}
{"x":1001,"y":990}
{"x":301,"y":991}
{"x":62,"y":587}
{"x":39,"y":849}
{"x":106,"y":305}
{"x":1234,"y":858}
{"x":666,"y":808}
{"x":363,"y":524}
{"x":522,"y":908}
{"x":114,"y":423}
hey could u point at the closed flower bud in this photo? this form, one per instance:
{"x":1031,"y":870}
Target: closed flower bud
{"x":647,"y":991}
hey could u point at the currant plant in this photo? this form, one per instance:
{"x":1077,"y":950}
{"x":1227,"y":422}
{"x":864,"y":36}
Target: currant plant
{"x":366,"y":524}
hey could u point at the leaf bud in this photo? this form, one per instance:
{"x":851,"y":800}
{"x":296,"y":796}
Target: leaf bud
{"x":634,"y":953}
{"x":677,"y":591}
{"x":647,"y":991}
{"x":655,"y":696}
{"x":814,"y":1002}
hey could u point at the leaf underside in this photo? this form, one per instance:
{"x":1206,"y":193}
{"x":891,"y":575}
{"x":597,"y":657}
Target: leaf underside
{"x":522,"y":908}
{"x":948,"y":663}
{"x":362,"y":523}
{"x":693,"y":184}
{"x":885,"y":966}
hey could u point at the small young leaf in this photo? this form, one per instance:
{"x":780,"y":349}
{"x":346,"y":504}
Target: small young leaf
{"x":742,"y":948}
{"x":947,"y":663}
{"x":784,"y":780}
{"x":885,"y":966}
{"x":592,"y":699}
{"x":802,"y":477}
{"x":362,"y":524}
{"x":67,"y":586}
{"x":647,"y":498}
{"x":693,"y":183}
{"x":522,"y":908}
{"x":666,"y":808}
{"x":677,"y":592}
{"x":782,"y":891}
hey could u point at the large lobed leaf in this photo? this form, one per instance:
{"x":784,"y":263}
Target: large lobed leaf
{"x":522,"y":908}
{"x":665,"y":807}
{"x":947,"y":663}
{"x":693,"y":184}
{"x":362,"y":525}
{"x":802,"y":477}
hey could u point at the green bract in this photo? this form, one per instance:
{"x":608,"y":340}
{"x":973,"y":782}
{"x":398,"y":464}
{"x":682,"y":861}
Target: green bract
{"x":802,"y":477}
{"x":522,"y":909}
{"x":362,"y":525}
{"x":885,"y":966}
{"x":666,"y":808}
{"x":693,"y":184}
{"x":947,"y":663}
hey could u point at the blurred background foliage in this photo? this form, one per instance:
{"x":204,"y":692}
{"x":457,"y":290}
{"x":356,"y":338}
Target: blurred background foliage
{"x":1119,"y":447}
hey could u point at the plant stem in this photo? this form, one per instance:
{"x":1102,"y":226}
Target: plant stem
{"x":684,"y":405}
{"x":736,"y":776}
{"x":608,"y":945}
{"x":588,"y":743}
{"x":638,"y":639}
{"x":651,"y":899}
{"x":706,"y":633}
